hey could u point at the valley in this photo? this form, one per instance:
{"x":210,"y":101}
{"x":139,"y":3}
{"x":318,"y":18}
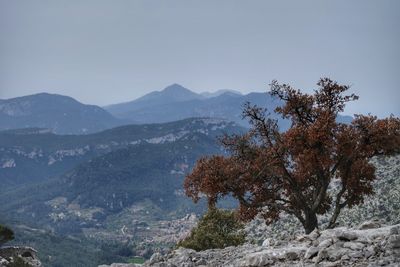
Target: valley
{"x":122,"y":186}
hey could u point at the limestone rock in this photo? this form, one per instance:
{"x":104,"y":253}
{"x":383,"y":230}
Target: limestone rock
{"x":28,"y":255}
{"x":394,"y":241}
{"x":257,"y":259}
{"x":311,"y":252}
{"x":354,"y":245}
{"x":266,"y":243}
{"x":394,"y":230}
{"x":333,"y":247}
{"x":156,"y":257}
{"x":373,"y":224}
{"x":314,"y":234}
{"x":326,"y":243}
{"x":121,"y":265}
{"x":346,"y":235}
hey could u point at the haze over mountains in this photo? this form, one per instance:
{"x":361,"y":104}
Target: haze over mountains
{"x":61,"y":114}
{"x":64,"y":115}
{"x":176,"y":102}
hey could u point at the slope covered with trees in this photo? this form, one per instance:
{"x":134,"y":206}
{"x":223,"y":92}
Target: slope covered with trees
{"x":110,"y":190}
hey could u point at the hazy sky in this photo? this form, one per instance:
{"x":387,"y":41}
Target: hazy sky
{"x":103,"y":52}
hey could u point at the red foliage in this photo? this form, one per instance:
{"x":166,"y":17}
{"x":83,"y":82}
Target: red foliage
{"x":272,"y":172}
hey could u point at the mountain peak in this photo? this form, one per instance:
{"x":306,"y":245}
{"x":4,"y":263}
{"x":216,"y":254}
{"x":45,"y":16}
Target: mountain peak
{"x":221,"y":92}
{"x":176,"y":88}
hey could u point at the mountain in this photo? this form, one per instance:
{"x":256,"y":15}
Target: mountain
{"x":220,"y":92}
{"x":60,"y":114}
{"x":31,"y":155}
{"x":172,"y":94}
{"x":165,"y":106}
{"x":89,"y":187}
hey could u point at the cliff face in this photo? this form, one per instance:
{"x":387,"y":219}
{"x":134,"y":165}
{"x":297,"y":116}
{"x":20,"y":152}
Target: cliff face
{"x":19,"y":256}
{"x":369,"y":244}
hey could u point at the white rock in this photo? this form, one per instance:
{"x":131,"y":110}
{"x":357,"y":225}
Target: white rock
{"x":311,"y":252}
{"x":266,"y":243}
{"x":156,"y":257}
{"x":373,"y":224}
{"x":314,"y":234}
{"x":346,"y":235}
{"x":394,"y":241}
{"x":326,"y":243}
{"x":354,"y":245}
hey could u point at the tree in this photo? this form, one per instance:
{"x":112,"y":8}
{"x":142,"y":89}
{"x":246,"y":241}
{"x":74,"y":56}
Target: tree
{"x":216,"y":229}
{"x":6,"y":234}
{"x":293,"y":171}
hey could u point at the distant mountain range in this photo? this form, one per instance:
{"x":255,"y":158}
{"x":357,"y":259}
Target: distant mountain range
{"x":176,"y":102}
{"x":60,"y":114}
{"x":64,"y":115}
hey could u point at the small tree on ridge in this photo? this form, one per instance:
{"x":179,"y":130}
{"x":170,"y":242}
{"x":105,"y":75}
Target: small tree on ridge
{"x":6,"y":234}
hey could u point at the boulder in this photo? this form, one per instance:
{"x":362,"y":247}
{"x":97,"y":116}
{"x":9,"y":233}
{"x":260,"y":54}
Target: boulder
{"x":266,"y":242}
{"x":395,"y":230}
{"x":326,"y":243}
{"x":314,"y":234}
{"x":121,"y":265}
{"x":373,"y":224}
{"x":292,"y":255}
{"x":354,"y":245}
{"x":346,"y":235}
{"x":311,"y":252}
{"x":394,"y":241}
{"x":370,"y":251}
{"x":257,"y":259}
{"x":334,"y":254}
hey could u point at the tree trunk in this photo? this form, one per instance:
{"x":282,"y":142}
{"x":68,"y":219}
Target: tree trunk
{"x":310,"y":222}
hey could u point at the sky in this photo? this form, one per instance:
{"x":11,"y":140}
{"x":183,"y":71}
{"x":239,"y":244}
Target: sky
{"x":105,"y":52}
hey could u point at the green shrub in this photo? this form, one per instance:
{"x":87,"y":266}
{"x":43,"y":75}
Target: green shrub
{"x":6,"y":234}
{"x":19,"y":262}
{"x":216,"y":229}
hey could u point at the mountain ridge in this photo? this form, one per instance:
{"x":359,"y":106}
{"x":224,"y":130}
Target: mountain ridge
{"x":62,"y":114}
{"x":159,"y":106}
{"x":43,"y":154}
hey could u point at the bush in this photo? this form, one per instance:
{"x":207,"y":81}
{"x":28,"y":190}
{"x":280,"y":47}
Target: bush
{"x":19,"y":262}
{"x":6,"y":234}
{"x":216,"y":229}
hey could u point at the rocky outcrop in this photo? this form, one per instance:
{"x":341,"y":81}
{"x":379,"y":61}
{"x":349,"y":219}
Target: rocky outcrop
{"x":20,"y":255}
{"x":370,"y":244}
{"x":121,"y":265}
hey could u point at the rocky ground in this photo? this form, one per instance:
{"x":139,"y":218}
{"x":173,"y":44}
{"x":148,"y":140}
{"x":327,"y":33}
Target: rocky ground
{"x":369,"y":244}
{"x":19,"y":256}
